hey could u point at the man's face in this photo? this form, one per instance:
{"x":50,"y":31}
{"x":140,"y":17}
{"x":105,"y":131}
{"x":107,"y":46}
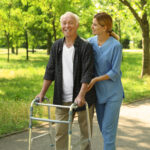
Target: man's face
{"x":69,"y":26}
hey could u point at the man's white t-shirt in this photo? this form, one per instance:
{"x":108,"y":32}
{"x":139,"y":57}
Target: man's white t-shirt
{"x":67,"y":69}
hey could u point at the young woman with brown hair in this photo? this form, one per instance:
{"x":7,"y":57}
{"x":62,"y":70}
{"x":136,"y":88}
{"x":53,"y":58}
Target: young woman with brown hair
{"x":107,"y":80}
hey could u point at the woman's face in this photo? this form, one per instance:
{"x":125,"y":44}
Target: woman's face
{"x":97,"y":29}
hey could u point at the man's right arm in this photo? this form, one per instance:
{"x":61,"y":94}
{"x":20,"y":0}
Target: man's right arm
{"x":44,"y":89}
{"x":49,"y":75}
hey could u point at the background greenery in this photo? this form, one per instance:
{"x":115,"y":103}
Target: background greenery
{"x":35,"y":23}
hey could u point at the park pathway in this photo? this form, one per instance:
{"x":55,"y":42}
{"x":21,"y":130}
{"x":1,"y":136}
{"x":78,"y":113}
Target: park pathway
{"x":133,"y":132}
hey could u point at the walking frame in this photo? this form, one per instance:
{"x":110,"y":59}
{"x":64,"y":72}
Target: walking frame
{"x":69,"y":122}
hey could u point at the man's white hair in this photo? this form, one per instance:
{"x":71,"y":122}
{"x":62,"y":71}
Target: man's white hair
{"x":70,"y":14}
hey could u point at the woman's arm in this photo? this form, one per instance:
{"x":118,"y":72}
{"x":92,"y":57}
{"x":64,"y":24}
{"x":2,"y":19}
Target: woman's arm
{"x":97,"y":79}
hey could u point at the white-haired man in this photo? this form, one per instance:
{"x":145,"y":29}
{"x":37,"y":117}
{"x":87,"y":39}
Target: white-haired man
{"x":71,"y":67}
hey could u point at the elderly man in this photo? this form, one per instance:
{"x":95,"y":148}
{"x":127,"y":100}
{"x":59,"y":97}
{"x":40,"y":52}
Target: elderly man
{"x":71,"y":67}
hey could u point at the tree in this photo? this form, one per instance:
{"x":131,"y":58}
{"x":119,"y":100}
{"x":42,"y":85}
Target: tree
{"x":140,"y":11}
{"x":10,"y":22}
{"x":6,"y":21}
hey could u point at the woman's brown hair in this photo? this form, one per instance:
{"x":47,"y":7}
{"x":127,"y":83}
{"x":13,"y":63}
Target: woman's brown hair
{"x":105,"y":19}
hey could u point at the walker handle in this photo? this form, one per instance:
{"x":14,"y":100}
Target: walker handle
{"x":37,"y":99}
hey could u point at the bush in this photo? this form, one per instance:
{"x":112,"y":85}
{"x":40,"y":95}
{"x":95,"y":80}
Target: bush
{"x":125,"y":42}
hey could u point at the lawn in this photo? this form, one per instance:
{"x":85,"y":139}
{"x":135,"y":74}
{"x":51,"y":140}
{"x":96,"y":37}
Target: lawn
{"x":135,"y":87}
{"x":21,"y":81}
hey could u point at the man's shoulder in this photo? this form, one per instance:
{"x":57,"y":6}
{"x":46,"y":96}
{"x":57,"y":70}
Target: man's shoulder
{"x":84,"y":41}
{"x":59,"y":41}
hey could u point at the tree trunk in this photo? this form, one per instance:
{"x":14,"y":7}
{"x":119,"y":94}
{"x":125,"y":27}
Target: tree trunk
{"x":27,"y":45}
{"x":12,"y":50}
{"x":146,"y":52}
{"x":33,"y":49}
{"x":54,"y":28}
{"x":144,"y":24}
{"x":8,"y":44}
{"x":16,"y":50}
{"x":49,"y":43}
{"x":17,"y":46}
{"x":119,"y":30}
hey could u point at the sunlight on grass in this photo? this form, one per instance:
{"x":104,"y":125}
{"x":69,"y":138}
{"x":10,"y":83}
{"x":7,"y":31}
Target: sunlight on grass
{"x":21,"y":81}
{"x":1,"y":92}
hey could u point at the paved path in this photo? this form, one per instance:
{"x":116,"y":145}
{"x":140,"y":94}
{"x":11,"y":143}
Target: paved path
{"x":133,"y":132}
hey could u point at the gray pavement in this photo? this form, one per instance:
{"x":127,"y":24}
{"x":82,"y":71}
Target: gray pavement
{"x":133,"y":132}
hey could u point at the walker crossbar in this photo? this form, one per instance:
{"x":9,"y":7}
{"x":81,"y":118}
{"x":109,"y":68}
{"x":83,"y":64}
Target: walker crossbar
{"x":48,"y":120}
{"x":69,"y":122}
{"x":52,"y":105}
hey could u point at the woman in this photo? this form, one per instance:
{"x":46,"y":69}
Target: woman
{"x":107,"y":81}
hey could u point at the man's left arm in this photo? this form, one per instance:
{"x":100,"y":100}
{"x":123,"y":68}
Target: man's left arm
{"x":80,"y":99}
{"x":87,"y":64}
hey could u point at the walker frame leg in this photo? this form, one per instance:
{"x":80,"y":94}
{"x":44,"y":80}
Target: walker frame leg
{"x":30,"y":128}
{"x":70,"y":129}
{"x":69,"y":122}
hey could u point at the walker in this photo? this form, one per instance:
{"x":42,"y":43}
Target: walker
{"x":35,"y":102}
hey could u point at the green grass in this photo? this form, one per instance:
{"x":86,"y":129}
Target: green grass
{"x":135,"y":87}
{"x":21,"y":81}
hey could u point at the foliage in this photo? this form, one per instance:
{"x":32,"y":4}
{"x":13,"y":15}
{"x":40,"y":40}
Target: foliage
{"x":10,"y":20}
{"x":140,"y":12}
{"x":40,"y":18}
